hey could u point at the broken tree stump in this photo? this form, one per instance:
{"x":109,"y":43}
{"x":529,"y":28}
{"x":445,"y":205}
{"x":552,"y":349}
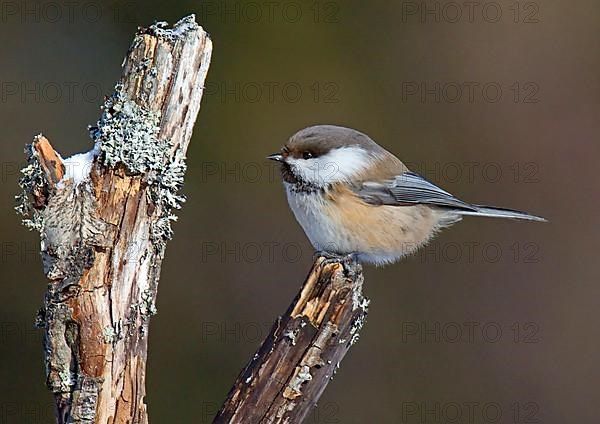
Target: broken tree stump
{"x":289,"y":372}
{"x":104,"y":219}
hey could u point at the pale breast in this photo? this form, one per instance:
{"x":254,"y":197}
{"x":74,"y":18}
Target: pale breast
{"x":309,"y":208}
{"x":336,"y":220}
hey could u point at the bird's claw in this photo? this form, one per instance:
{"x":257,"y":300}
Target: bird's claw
{"x":348,"y":261}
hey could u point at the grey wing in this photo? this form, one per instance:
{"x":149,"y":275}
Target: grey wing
{"x":409,"y":189}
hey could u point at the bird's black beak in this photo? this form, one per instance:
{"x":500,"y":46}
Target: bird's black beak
{"x":277,"y":157}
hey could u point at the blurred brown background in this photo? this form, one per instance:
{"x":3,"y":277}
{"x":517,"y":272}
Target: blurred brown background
{"x":495,"y":101}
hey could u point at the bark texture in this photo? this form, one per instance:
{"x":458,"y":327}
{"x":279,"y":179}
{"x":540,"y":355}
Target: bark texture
{"x":104,"y":220}
{"x":287,"y":375}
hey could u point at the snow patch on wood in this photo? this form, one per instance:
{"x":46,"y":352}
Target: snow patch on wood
{"x":78,"y":167}
{"x":104,"y":218}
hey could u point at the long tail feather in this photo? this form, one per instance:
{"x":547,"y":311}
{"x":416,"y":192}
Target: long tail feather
{"x":493,"y":212}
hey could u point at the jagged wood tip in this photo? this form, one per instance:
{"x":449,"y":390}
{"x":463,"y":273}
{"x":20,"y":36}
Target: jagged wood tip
{"x":104,"y":219}
{"x":286,"y":377}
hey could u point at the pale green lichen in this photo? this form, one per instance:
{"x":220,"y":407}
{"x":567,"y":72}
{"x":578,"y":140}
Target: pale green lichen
{"x":357,"y":325}
{"x":108,"y":334}
{"x":111,"y":335}
{"x":166,"y":183}
{"x":144,"y":309}
{"x":164,"y":187}
{"x":147,"y":306}
{"x":295,"y":385}
{"x":127,"y":135}
{"x":291,"y":335}
{"x":183,"y":26}
{"x":32,"y":180}
{"x":67,"y":380}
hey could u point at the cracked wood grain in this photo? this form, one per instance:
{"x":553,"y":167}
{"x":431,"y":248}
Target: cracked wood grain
{"x":286,"y":377}
{"x":103,"y":235}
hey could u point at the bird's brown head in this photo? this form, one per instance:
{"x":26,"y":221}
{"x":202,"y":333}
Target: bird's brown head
{"x":325,"y":154}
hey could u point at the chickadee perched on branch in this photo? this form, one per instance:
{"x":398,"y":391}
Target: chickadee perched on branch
{"x":353,"y":197}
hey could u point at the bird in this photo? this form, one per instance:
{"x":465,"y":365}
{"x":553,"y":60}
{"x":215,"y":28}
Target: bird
{"x":355,"y":199}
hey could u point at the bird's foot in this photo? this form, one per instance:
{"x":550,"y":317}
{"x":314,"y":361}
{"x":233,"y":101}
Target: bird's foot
{"x":348,"y":261}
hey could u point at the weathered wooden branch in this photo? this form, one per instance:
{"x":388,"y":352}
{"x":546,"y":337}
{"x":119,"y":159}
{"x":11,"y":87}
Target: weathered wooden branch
{"x":104,"y":220}
{"x":287,"y":375}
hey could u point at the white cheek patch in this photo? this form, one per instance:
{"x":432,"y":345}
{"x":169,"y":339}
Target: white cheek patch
{"x":338,"y":165}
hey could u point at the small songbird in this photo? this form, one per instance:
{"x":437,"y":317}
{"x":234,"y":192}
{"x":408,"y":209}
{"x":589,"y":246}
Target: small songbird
{"x":353,"y":197}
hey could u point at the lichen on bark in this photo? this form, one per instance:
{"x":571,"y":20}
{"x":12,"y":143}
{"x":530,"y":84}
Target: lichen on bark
{"x":104,"y":224}
{"x":288,"y":374}
{"x":128,"y":135}
{"x":33,"y":182}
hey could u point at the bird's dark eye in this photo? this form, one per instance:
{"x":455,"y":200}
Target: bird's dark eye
{"x":307,"y":155}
